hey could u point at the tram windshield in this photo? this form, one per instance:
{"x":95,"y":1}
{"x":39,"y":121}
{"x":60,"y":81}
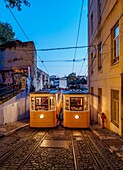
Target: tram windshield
{"x":41,"y":103}
{"x":79,"y":103}
{"x":76,"y":103}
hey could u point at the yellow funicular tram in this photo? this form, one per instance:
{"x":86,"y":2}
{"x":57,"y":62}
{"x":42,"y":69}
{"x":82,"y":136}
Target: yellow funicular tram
{"x":45,"y":107}
{"x":76,"y":111}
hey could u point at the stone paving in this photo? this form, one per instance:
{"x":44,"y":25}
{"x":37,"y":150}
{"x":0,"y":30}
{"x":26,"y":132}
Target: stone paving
{"x":114,"y":141}
{"x":10,"y":128}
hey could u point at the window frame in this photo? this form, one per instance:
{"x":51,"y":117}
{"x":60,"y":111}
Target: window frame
{"x":115,"y":108}
{"x":92,"y":23}
{"x":100,"y":56}
{"x":115,"y":45}
{"x":39,"y":105}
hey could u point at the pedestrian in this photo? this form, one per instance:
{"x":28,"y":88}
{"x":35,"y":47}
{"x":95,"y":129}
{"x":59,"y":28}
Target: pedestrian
{"x":61,"y":117}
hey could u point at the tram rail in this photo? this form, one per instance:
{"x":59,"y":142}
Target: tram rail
{"x":17,"y":145}
{"x":93,"y":155}
{"x":76,"y":164}
{"x":32,"y":150}
{"x":98,"y":157}
{"x":60,"y":148}
{"x":15,"y":149}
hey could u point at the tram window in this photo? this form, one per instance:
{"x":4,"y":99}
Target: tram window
{"x":67,"y":104}
{"x":41,"y":103}
{"x":85,"y":103}
{"x":52,"y":103}
{"x":76,"y":103}
{"x":32,"y":103}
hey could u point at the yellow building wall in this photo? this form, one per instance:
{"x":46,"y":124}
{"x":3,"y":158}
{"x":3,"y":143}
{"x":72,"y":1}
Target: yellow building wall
{"x":109,"y":77}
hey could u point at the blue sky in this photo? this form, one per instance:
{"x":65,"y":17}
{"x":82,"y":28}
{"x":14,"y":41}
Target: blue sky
{"x":52,"y":24}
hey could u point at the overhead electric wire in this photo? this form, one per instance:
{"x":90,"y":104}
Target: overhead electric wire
{"x":16,"y":21}
{"x":89,"y":67}
{"x":83,"y":62}
{"x":82,"y":66}
{"x":45,"y":67}
{"x":20,"y":26}
{"x":94,"y":34}
{"x":59,"y":48}
{"x":77,"y":60}
{"x":77,"y":38}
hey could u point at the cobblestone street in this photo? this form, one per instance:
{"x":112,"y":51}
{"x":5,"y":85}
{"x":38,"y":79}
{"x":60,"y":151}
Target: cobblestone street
{"x":58,"y":148}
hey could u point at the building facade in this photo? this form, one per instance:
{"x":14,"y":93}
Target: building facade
{"x":58,"y":82}
{"x":105,"y":62}
{"x":43,"y":81}
{"x":18,"y":59}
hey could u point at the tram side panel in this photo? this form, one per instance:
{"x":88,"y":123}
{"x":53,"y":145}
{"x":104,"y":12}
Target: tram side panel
{"x":76,"y":111}
{"x":42,"y":110}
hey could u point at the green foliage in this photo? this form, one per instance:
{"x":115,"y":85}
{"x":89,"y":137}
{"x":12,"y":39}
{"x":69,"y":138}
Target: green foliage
{"x":74,"y":80}
{"x":16,"y":3}
{"x":71,"y":77}
{"x":6,"y":33}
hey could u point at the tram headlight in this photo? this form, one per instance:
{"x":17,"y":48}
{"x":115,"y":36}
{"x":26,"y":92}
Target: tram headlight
{"x":41,"y":116}
{"x":76,"y":116}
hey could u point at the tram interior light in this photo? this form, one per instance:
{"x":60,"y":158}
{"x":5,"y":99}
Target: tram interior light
{"x":41,"y":116}
{"x":76,"y":116}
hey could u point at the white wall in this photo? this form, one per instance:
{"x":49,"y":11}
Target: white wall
{"x":15,"y":109}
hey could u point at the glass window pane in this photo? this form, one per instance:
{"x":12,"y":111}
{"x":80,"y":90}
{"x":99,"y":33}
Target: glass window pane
{"x":41,"y":103}
{"x":115,"y":106}
{"x":116,"y":31}
{"x":76,"y":103}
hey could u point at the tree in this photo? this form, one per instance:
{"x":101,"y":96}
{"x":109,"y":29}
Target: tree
{"x":6,"y":33}
{"x":71,"y":78}
{"x":16,"y":3}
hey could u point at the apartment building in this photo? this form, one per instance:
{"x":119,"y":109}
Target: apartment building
{"x":105,"y":62}
{"x":43,"y":81}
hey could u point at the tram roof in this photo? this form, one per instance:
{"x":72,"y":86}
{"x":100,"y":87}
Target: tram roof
{"x":47,"y":91}
{"x":75,"y":91}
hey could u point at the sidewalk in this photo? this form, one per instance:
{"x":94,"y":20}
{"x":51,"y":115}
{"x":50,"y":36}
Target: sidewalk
{"x":113,"y":140}
{"x":7,"y":129}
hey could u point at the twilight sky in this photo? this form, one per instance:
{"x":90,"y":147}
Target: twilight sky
{"x":53,"y":24}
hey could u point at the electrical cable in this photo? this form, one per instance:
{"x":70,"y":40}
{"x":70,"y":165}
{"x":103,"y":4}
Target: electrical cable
{"x":77,"y":38}
{"x":102,"y":47}
{"x":77,"y":60}
{"x":19,"y":24}
{"x":16,"y":21}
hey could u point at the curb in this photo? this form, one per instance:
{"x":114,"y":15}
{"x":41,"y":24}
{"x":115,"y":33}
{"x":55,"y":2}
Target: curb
{"x":13,"y":131}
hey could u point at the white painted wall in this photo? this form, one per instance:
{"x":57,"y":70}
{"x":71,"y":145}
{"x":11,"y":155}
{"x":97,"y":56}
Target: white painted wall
{"x":15,"y":109}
